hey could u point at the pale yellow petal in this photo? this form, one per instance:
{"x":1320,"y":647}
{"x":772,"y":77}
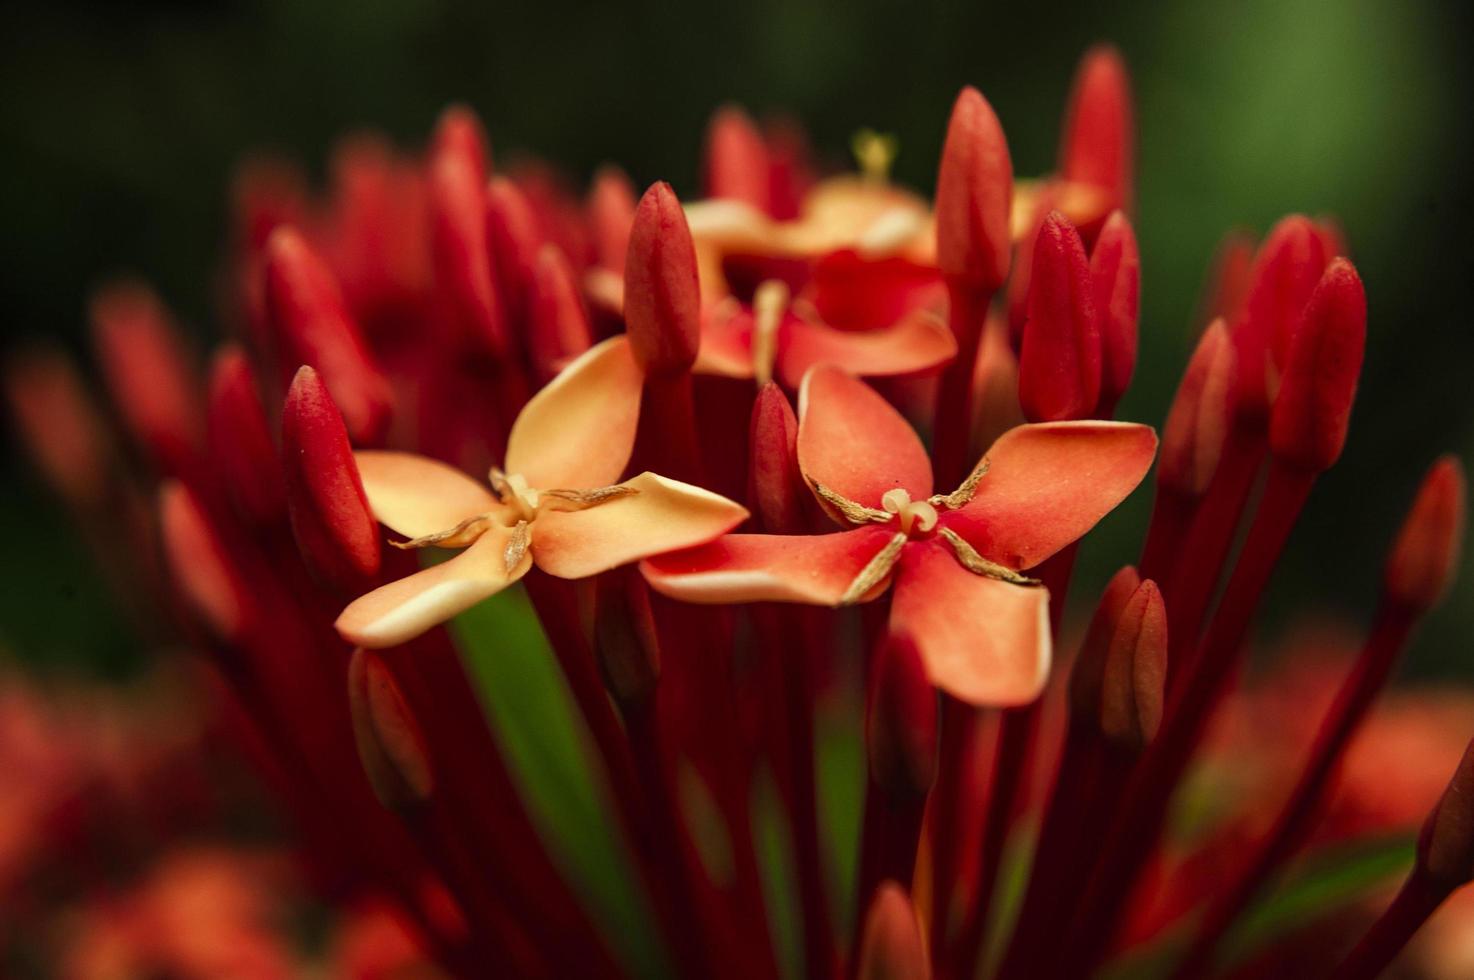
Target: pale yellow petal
{"x":402,"y":610}
{"x":579,"y":430}
{"x":419,"y":496}
{"x":662,"y":515}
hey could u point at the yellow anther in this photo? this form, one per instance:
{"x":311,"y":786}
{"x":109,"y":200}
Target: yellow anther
{"x":919,"y":513}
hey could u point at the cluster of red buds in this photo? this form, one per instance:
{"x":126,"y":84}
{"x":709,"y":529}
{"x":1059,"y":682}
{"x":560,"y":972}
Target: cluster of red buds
{"x":617,"y":371}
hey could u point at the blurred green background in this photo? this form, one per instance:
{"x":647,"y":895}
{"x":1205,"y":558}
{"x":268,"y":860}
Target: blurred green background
{"x":119,"y":124}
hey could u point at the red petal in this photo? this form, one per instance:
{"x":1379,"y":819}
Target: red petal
{"x":1060,"y":360}
{"x":854,"y":293}
{"x":817,"y":569}
{"x":919,"y":342}
{"x":974,"y":194}
{"x":851,"y":440}
{"x":1047,"y":485}
{"x":984,"y":641}
{"x":1313,"y":409}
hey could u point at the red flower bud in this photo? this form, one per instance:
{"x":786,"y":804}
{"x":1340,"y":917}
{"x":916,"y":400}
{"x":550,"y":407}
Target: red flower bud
{"x":1088,"y":673}
{"x":391,"y":745}
{"x":200,"y":565}
{"x":1285,"y":272}
{"x":378,"y":235}
{"x":458,"y":238}
{"x":1060,"y":362}
{"x":59,"y":425}
{"x":736,"y":164}
{"x":1098,"y":145}
{"x":312,"y":326}
{"x":892,"y":947}
{"x":1115,"y":270}
{"x":776,"y":487}
{"x":974,"y":195}
{"x":1228,"y":278}
{"x":1313,"y":409}
{"x":149,"y":374}
{"x":460,"y":135}
{"x":1197,"y":423}
{"x":331,"y":520}
{"x":1425,"y":554}
{"x":901,"y":721}
{"x":560,"y":325}
{"x":240,"y":440}
{"x":611,"y":210}
{"x":1446,"y":845}
{"x":1135,"y":675}
{"x":266,"y":192}
{"x":662,"y":300}
{"x":790,"y":168}
{"x":515,"y":242}
{"x":1332,"y":237}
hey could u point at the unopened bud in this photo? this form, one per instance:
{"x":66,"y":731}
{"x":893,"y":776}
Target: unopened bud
{"x":1446,"y":845}
{"x":1088,"y":673}
{"x":59,"y":425}
{"x":611,"y":210}
{"x":459,"y":242}
{"x":1132,"y":686}
{"x":149,"y":375}
{"x":901,"y":721}
{"x":1197,"y":423}
{"x":662,"y":301}
{"x":335,"y":530}
{"x":1313,"y":408}
{"x":1115,"y":271}
{"x":892,"y":947}
{"x":1228,"y":278}
{"x":459,"y":134}
{"x":625,"y":638}
{"x":240,"y":440}
{"x":311,"y":325}
{"x":199,"y":563}
{"x":390,"y":743}
{"x":776,"y":486}
{"x":1060,"y":362}
{"x":974,"y":195}
{"x":560,"y":324}
{"x":1425,"y":555}
{"x":515,"y":243}
{"x":1098,"y":145}
{"x":736,"y":165}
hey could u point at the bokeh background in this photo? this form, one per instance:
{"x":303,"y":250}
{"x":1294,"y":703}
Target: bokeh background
{"x":120,"y":124}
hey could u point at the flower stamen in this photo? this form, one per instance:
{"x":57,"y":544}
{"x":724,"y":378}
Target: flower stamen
{"x":919,"y":513}
{"x":978,"y":565}
{"x":459,"y":536}
{"x":855,"y":513}
{"x":874,"y":571}
{"x":964,"y":493}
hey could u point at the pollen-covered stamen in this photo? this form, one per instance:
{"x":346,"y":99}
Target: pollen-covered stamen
{"x":978,"y":565}
{"x":855,"y":513}
{"x":964,"y":493}
{"x":919,"y":514}
{"x":512,"y":490}
{"x":874,"y":571}
{"x":517,"y":545}
{"x":769,"y":303}
{"x":459,"y":536}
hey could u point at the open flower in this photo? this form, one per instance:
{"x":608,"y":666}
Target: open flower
{"x":957,"y":558}
{"x":557,"y":504}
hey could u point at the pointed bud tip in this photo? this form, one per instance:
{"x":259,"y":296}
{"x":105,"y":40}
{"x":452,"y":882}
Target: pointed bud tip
{"x":777,"y":487}
{"x":1198,"y":420}
{"x":1115,"y":272}
{"x":1136,"y":670}
{"x":974,"y":195}
{"x":901,"y":720}
{"x":662,"y":300}
{"x":736,"y":165}
{"x":1098,"y":145}
{"x":1060,"y":361}
{"x":1312,"y":411}
{"x":1425,"y":555}
{"x":892,"y":947}
{"x":199,"y":564}
{"x":1088,"y":673}
{"x":391,"y":745}
{"x":240,"y":439}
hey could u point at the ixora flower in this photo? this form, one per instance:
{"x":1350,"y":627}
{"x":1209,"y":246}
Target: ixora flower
{"x":957,"y":558}
{"x":557,"y":504}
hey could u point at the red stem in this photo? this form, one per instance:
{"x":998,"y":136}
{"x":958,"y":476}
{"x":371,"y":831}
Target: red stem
{"x":1389,"y":636}
{"x":952,"y":423}
{"x":1414,"y":904}
{"x":1172,"y":514}
{"x":1139,"y":822}
{"x":956,"y":761}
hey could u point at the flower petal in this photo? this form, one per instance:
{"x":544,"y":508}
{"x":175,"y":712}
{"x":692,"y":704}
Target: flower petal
{"x":726,"y":342}
{"x":853,"y":442}
{"x":983,"y":641}
{"x":417,"y":495}
{"x":579,"y":430}
{"x":662,"y":515}
{"x":816,"y":569}
{"x":402,"y":610}
{"x":1048,"y":484}
{"x":918,"y":342}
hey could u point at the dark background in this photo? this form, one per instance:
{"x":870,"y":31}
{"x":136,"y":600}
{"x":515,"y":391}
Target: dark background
{"x":119,"y":125}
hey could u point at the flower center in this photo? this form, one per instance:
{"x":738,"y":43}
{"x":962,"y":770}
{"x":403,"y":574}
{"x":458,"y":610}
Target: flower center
{"x":513,"y":490}
{"x":917,"y":514}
